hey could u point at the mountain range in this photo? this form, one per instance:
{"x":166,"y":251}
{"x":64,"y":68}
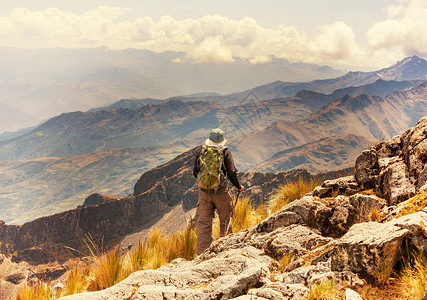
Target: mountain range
{"x":54,"y":166}
{"x":331,"y":153}
{"x":47,"y":82}
{"x":370,"y":116}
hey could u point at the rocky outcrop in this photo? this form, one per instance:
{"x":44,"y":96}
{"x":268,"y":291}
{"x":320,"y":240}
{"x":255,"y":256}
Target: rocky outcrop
{"x":96,"y":199}
{"x":368,"y":249}
{"x":225,"y":276}
{"x":244,"y":265}
{"x":396,"y":168}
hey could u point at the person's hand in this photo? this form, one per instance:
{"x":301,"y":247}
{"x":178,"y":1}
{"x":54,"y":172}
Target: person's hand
{"x":241,"y":189}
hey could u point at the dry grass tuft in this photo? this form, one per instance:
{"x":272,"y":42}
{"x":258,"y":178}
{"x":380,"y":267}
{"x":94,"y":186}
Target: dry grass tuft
{"x":286,"y":259}
{"x":38,"y":291}
{"x":246,"y":215}
{"x":325,"y":290}
{"x":291,"y":191}
{"x":419,"y":201}
{"x":76,"y":280}
{"x":375,"y":214}
{"x":106,"y":272}
{"x":413,"y":278}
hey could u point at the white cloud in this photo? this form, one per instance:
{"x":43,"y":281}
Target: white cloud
{"x":212,"y":50}
{"x":220,"y":39}
{"x":402,"y":34}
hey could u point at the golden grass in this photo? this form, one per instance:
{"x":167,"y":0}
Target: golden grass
{"x":408,"y":284}
{"x":286,"y":259}
{"x":419,"y":201}
{"x":291,"y":191}
{"x":245,"y":216}
{"x":413,"y":278}
{"x":375,"y":214}
{"x":76,"y":280}
{"x":325,"y":290}
{"x":107,"y":271}
{"x":38,"y":291}
{"x":110,"y":267}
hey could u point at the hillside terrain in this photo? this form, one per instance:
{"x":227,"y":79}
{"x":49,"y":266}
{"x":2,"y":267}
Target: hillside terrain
{"x":328,"y":234}
{"x":170,"y":121}
{"x":328,"y":231}
{"x":39,"y":187}
{"x":333,"y":153}
{"x":157,"y":191}
{"x":78,"y":133}
{"x":364,"y":115}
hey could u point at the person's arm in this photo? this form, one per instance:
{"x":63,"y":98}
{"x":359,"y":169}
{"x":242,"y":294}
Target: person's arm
{"x":230,"y":168}
{"x":196,"y":167}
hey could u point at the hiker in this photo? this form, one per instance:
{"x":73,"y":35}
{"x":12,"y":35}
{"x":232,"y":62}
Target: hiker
{"x":213,"y":167}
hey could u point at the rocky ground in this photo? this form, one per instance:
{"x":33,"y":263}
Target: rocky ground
{"x":328,"y":232}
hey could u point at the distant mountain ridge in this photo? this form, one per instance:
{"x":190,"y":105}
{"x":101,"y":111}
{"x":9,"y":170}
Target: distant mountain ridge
{"x":48,"y":82}
{"x":146,"y":125}
{"x":79,"y":133}
{"x":410,"y":68}
{"x":364,"y":115}
{"x":404,"y":74}
{"x":328,"y":154}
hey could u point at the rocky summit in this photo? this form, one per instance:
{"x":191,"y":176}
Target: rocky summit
{"x":328,"y":232}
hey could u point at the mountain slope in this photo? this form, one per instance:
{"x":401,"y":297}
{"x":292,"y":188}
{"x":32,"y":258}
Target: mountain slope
{"x":40,"y":187}
{"x":172,"y":121}
{"x":156,"y":192}
{"x":380,"y":88}
{"x":12,"y":119}
{"x":368,"y":116}
{"x":78,"y":133}
{"x":411,"y":68}
{"x":328,"y":154}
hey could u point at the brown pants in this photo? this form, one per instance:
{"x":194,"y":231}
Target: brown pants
{"x":205,"y":211}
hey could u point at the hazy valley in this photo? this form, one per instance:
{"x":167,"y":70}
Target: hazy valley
{"x":68,"y":157}
{"x":140,"y":149}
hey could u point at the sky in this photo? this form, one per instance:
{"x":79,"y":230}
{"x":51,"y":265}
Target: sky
{"x":370,"y":34}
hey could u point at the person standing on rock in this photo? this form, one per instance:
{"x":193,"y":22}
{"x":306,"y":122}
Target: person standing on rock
{"x":213,"y":167}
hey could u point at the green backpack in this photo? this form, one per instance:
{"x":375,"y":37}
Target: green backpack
{"x":210,"y":161}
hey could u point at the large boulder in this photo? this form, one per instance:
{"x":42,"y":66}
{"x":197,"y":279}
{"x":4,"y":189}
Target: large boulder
{"x":394,"y":183}
{"x":227,"y":275}
{"x":395,"y":168}
{"x":414,"y":143}
{"x":279,"y":291}
{"x":295,"y":239}
{"x":369,"y":249}
{"x":336,"y":217}
{"x":416,"y":223}
{"x":340,"y":186}
{"x":297,"y":212}
{"x":366,"y":168}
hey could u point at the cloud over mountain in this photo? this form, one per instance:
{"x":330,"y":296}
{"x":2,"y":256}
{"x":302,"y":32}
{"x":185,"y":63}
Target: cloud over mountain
{"x":403,"y":30}
{"x":215,"y":38}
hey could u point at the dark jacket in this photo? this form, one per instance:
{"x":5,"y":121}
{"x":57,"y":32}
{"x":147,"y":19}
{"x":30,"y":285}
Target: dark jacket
{"x":228,"y":168}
